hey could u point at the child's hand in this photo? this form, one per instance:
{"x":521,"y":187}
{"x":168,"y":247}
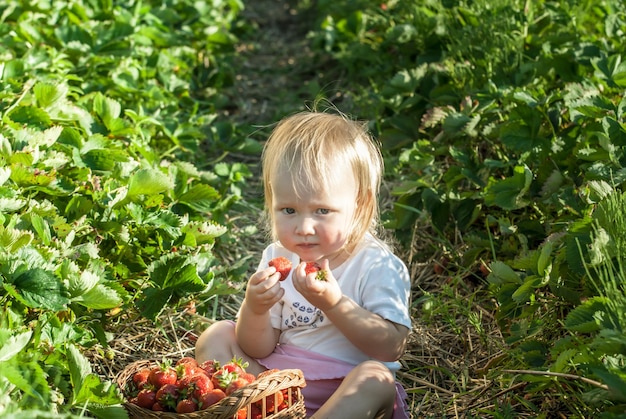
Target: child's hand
{"x":323,"y":294}
{"x":263,"y":290}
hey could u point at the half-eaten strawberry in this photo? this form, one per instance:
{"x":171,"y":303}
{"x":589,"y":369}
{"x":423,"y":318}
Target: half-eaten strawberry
{"x":314,"y":267}
{"x":282,"y":265}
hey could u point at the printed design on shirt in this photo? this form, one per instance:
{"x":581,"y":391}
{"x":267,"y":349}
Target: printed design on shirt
{"x":302,"y":314}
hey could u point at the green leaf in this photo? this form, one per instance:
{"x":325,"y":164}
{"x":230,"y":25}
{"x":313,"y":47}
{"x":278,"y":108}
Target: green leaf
{"x":503,"y":273}
{"x":204,"y":232}
{"x":103,"y":159}
{"x":14,"y":345}
{"x":41,"y":289}
{"x":41,"y":227}
{"x":80,"y":284}
{"x":544,"y":263}
{"x":527,"y":289}
{"x":30,"y":378}
{"x":149,"y":182}
{"x":508,"y":193}
{"x":173,"y":277}
{"x":586,"y":317}
{"x":79,"y":368}
{"x":34,"y":117}
{"x":106,"y":108}
{"x":49,"y":95}
{"x":99,"y":297}
{"x":616,"y":384}
{"x":200,"y":197}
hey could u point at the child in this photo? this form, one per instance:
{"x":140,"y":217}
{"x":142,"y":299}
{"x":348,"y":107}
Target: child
{"x":321,"y":174}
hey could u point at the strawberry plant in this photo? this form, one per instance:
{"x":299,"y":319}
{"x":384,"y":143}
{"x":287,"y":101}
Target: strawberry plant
{"x":104,"y":208}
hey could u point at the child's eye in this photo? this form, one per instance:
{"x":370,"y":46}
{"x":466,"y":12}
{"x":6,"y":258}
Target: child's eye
{"x":323,"y":211}
{"x":288,"y":211}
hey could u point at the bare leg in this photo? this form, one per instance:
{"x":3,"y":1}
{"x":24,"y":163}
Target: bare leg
{"x":220,"y":343}
{"x":368,"y":391}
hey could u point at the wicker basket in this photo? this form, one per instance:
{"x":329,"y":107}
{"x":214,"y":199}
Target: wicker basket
{"x":228,"y":407}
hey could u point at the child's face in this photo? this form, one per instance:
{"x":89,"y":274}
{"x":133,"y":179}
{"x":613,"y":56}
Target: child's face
{"x":311,"y":224}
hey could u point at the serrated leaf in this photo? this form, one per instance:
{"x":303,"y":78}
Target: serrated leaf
{"x":200,"y":197}
{"x":31,"y":115}
{"x":41,"y":289}
{"x":527,"y":289}
{"x":508,"y":193}
{"x":584,"y":318}
{"x":5,"y":174}
{"x":80,"y":284}
{"x":503,"y":273}
{"x":615,"y":131}
{"x":99,"y":297}
{"x":103,"y":159}
{"x":173,"y":277}
{"x":616,"y":384}
{"x":106,"y":108}
{"x":552,"y":183}
{"x":12,"y":239}
{"x":149,"y":182}
{"x":27,"y":176}
{"x":8,"y":205}
{"x":93,"y":390}
{"x":204,"y":232}
{"x":14,"y":345}
{"x":48,"y":94}
{"x":41,"y":227}
{"x":30,"y":378}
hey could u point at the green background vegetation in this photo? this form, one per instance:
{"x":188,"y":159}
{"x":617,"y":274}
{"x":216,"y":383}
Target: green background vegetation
{"x":125,"y":162}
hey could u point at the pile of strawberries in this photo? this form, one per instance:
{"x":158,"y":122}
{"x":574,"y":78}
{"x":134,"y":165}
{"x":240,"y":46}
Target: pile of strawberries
{"x":186,"y":387}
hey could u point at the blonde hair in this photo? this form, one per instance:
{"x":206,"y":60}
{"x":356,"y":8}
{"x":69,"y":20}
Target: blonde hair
{"x":315,"y":146}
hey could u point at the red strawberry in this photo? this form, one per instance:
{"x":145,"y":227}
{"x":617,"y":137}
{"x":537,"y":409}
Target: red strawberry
{"x":273,"y":401}
{"x":282,"y":265}
{"x":266,"y":373}
{"x":314,"y":267}
{"x":186,"y":406}
{"x":235,"y":385}
{"x":146,"y":398}
{"x":256,"y":412}
{"x":140,"y":378}
{"x":187,"y":360}
{"x":210,"y":398}
{"x":210,"y":366}
{"x":157,"y":407}
{"x":236,"y":365}
{"x":162,"y":375}
{"x":167,"y":395}
{"x":199,"y":384}
{"x":222,"y":378}
{"x":248,"y":376}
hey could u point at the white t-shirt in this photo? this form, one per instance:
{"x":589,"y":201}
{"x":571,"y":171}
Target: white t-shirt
{"x":373,"y":277}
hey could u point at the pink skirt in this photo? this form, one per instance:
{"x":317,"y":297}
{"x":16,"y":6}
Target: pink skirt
{"x":323,"y":376}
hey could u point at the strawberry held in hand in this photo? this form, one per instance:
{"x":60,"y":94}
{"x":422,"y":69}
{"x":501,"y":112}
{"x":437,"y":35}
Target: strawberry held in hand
{"x":282,"y":265}
{"x":314,"y":267}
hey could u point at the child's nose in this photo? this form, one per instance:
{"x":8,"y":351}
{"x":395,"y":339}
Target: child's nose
{"x":305,"y":226}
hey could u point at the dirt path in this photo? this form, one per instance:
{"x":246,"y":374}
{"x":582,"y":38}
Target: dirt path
{"x":274,"y":64}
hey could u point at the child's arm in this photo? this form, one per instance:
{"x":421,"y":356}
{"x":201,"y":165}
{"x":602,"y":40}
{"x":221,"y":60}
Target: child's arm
{"x":376,"y":337}
{"x":255,"y":334}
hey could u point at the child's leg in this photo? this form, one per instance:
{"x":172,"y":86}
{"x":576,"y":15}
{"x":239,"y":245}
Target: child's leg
{"x":220,"y":343}
{"x":368,"y":391}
